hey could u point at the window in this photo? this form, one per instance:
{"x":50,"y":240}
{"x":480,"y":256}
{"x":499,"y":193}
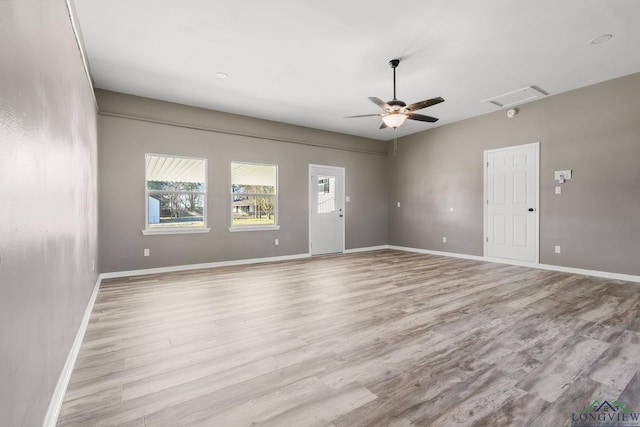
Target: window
{"x":326,"y":194}
{"x":254,"y":198}
{"x":176,"y":194}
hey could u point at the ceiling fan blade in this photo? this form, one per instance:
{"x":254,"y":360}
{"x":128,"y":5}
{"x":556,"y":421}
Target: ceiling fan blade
{"x":421,"y":118}
{"x":380,"y":103}
{"x":362,"y":115}
{"x":424,"y":104}
{"x":383,"y":125}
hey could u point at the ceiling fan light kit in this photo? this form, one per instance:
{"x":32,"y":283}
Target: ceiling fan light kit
{"x":396,"y":112}
{"x":393,"y":120}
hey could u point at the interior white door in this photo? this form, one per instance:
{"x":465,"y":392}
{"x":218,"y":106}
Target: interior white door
{"x":326,"y":209}
{"x":511,"y":194}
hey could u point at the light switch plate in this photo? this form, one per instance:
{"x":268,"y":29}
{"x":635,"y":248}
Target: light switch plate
{"x":558,"y":190}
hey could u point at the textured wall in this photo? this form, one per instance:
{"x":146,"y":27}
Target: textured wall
{"x":48,"y":202}
{"x":124,"y":142}
{"x":595,"y":131}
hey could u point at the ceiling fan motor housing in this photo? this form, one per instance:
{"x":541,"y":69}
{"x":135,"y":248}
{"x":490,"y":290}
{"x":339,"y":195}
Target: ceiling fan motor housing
{"x":398,"y":103}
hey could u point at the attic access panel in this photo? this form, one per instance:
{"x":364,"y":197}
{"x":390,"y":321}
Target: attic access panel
{"x":516,"y":97}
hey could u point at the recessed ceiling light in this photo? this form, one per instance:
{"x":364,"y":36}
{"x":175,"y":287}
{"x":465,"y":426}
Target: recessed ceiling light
{"x":222,"y":75}
{"x":602,"y":39}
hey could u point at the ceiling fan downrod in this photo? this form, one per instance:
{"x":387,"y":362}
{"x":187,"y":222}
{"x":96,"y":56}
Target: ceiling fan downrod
{"x":394,"y":64}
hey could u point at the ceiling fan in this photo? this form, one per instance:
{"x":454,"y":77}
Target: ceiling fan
{"x":395,"y":111}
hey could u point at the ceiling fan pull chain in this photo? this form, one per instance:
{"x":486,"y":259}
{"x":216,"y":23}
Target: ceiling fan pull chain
{"x":395,"y":141}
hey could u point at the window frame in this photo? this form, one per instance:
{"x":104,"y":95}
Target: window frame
{"x":254,"y":227}
{"x":176,"y":229}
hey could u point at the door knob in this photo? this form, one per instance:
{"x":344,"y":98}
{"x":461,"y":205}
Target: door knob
{"x":531,"y":209}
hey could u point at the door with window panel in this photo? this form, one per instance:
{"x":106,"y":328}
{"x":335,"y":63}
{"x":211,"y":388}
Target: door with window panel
{"x":326,"y":209}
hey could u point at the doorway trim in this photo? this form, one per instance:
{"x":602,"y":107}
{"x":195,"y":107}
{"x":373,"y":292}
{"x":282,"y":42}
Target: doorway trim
{"x":485,"y":199}
{"x":309,"y":203}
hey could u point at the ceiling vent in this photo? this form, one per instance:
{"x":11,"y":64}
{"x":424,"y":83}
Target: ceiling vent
{"x":520,"y":96}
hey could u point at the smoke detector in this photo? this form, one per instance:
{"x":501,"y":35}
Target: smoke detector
{"x":511,"y":113}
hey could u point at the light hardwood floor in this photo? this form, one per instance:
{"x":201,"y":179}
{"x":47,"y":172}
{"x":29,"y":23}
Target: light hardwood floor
{"x":383,"y":338}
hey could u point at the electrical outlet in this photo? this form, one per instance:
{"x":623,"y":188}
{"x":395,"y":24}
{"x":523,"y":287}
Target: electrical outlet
{"x":558,"y":249}
{"x":444,"y":240}
{"x":558,"y":190}
{"x":146,"y":252}
{"x":277,"y":242}
{"x":398,"y":204}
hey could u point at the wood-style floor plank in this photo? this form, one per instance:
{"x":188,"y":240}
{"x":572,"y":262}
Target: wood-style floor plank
{"x":383,"y":338}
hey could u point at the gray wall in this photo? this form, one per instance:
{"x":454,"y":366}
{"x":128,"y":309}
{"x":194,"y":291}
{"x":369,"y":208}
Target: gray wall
{"x":595,"y":131}
{"x":124,"y":142}
{"x":48,"y":194}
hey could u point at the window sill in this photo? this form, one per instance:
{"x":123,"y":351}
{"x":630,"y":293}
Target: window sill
{"x":194,"y":230}
{"x":254,"y":228}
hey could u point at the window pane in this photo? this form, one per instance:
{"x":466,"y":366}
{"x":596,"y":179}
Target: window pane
{"x":261,"y":178}
{"x":253,"y":189}
{"x":175,"y":186}
{"x":179,"y":170}
{"x":253,"y":210}
{"x":176,"y":191}
{"x":176,"y":210}
{"x":326,"y":194}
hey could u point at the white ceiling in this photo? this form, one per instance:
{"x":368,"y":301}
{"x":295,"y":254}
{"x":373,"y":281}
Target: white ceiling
{"x":311,"y":63}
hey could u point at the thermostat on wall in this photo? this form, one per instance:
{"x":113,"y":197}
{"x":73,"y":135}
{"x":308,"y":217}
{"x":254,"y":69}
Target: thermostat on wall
{"x":561,"y":176}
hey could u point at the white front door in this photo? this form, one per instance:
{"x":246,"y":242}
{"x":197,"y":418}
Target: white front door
{"x":326,"y":209}
{"x":511,"y":197}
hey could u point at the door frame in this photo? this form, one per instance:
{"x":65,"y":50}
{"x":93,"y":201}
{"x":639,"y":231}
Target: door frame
{"x":344,"y":207}
{"x":485,"y":200}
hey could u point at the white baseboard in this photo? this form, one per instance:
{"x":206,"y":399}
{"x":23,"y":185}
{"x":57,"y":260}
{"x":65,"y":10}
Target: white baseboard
{"x":174,"y":268}
{"x":366,"y":249}
{"x":55,"y":404}
{"x":594,"y":273}
{"x":439,"y":253}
